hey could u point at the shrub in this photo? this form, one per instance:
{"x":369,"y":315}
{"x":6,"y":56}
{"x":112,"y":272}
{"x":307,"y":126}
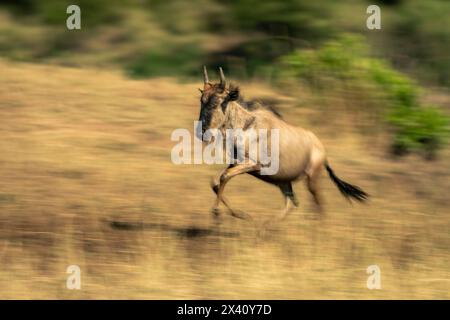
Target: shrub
{"x":169,"y":60}
{"x":414,"y":127}
{"x":418,"y":128}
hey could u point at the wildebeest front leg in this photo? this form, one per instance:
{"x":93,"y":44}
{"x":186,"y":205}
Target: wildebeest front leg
{"x":229,"y":173}
{"x":313,"y":187}
{"x":215,"y":183}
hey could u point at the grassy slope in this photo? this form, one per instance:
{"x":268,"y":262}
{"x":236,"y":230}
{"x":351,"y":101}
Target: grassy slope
{"x":87,"y":180}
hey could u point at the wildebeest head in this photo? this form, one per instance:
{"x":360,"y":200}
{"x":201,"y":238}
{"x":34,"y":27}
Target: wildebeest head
{"x":214,"y":100}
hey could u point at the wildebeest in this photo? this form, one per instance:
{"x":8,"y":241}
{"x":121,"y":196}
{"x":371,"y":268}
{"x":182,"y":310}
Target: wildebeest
{"x":301,"y":154}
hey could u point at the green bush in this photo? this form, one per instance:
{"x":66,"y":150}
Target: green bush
{"x":415,"y":127}
{"x":308,"y":20}
{"x":418,"y":128}
{"x":420,"y":31}
{"x":168,"y":60}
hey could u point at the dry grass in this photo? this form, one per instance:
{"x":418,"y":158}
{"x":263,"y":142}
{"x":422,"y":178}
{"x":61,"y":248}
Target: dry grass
{"x":87,"y":180}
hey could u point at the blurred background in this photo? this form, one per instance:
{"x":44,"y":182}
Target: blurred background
{"x":86,"y":117}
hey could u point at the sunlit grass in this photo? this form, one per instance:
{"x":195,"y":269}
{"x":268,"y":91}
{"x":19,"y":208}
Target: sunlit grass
{"x":87,"y":180}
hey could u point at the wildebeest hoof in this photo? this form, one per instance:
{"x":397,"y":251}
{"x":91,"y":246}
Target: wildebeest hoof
{"x":215,"y":212}
{"x":241,"y":215}
{"x":271,"y":224}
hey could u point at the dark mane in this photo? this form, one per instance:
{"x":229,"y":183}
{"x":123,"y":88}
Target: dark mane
{"x":255,"y":104}
{"x":252,"y":105}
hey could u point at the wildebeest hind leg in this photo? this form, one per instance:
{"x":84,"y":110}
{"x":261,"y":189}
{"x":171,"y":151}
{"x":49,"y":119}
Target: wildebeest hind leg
{"x":313,"y":187}
{"x":291,"y":201}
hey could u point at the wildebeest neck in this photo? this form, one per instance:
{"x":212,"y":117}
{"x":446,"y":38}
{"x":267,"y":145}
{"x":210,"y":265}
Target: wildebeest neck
{"x":252,"y":105}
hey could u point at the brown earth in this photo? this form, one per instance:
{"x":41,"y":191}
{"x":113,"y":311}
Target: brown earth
{"x":86,"y":179}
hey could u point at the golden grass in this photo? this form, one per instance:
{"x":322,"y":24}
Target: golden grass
{"x":86,"y":179}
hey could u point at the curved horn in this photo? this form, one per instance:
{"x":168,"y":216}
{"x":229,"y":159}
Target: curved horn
{"x":205,"y":75}
{"x":222,"y":77}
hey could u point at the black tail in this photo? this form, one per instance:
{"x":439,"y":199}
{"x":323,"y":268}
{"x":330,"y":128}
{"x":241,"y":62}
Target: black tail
{"x":349,"y":191}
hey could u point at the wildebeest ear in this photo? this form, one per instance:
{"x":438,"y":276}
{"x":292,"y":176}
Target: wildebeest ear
{"x":233,"y":95}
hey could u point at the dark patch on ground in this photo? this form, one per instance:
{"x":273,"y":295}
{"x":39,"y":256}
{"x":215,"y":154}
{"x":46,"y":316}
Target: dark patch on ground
{"x":7,"y":198}
{"x":183,"y":232}
{"x":69,"y":174}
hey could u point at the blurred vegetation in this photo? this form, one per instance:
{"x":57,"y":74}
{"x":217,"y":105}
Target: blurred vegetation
{"x":415,"y":34}
{"x":421,"y":32}
{"x":345,"y":62}
{"x":250,"y":39}
{"x":159,"y":63}
{"x":54,"y":11}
